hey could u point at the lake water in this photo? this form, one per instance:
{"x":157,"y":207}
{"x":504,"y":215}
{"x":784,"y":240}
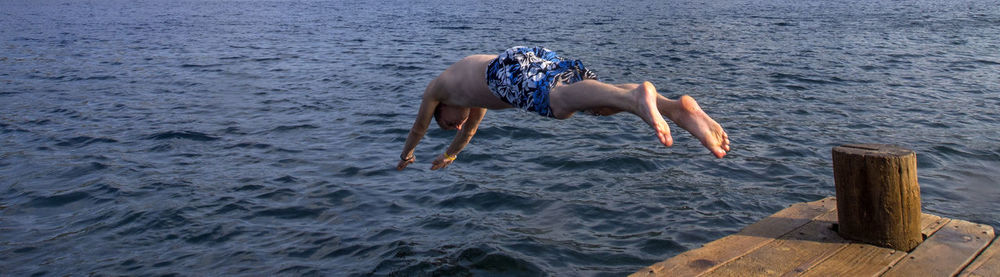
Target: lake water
{"x":255,"y":137}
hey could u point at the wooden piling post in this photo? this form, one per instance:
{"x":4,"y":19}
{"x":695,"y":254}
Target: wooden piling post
{"x":878,"y":198}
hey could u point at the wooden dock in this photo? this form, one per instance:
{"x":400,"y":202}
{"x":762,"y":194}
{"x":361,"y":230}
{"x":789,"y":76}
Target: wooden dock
{"x":802,"y":240}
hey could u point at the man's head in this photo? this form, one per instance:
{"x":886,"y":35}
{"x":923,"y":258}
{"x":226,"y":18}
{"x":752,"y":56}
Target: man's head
{"x":450,"y":117}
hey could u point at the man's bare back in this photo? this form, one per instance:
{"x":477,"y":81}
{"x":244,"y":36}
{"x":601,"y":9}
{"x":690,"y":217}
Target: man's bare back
{"x":463,"y":84}
{"x":459,"y":97}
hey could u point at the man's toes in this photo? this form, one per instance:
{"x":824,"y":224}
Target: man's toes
{"x":663,"y":131}
{"x":666,"y":139}
{"x":717,"y":151}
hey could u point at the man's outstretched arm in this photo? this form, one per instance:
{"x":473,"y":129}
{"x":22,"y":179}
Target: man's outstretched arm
{"x":419,"y":129}
{"x":461,"y":139}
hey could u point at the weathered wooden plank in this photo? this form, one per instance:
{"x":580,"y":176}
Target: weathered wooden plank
{"x":723,"y":250}
{"x":790,"y":254}
{"x":987,"y":264}
{"x":946,"y":252}
{"x":859,"y":259}
{"x":931,"y":223}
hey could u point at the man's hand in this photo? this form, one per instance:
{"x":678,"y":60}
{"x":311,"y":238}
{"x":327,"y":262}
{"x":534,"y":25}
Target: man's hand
{"x":442,"y":161}
{"x":405,"y":162}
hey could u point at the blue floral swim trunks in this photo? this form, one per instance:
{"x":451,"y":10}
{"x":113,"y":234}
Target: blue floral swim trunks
{"x":523,"y":76}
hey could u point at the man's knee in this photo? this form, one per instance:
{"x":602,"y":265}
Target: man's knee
{"x":629,"y":86}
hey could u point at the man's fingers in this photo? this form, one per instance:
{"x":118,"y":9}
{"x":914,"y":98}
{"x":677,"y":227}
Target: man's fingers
{"x":403,"y":163}
{"x":439,"y":164}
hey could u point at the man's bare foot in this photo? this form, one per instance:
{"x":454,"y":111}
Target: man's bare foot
{"x":645,"y":96}
{"x":692,"y":118}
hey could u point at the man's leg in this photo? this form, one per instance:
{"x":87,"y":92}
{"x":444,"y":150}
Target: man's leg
{"x":641,"y":100}
{"x":594,"y":95}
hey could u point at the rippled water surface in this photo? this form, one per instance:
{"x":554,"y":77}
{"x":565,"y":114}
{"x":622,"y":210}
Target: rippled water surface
{"x":259,"y":137}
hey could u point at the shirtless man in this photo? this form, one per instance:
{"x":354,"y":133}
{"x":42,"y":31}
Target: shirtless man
{"x":537,"y":80}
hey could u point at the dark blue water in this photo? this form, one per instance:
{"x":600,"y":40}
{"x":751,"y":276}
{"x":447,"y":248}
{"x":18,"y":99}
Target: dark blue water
{"x":259,"y":137}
